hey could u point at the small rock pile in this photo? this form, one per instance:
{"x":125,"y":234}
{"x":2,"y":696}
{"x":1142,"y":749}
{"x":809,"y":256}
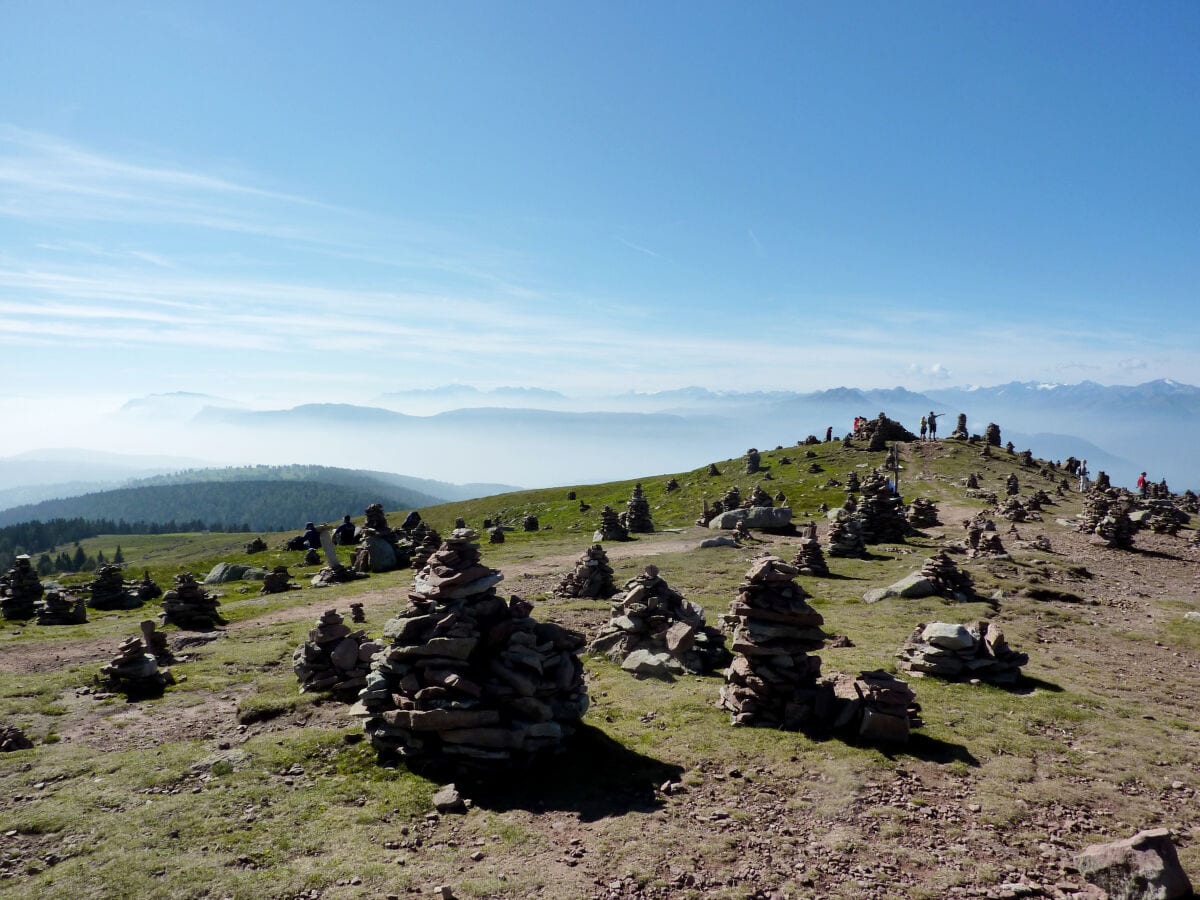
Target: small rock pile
{"x":134,"y":672}
{"x":752,"y":461}
{"x":959,"y":652}
{"x":1012,"y":486}
{"x":983,"y":541}
{"x":189,"y":606}
{"x":1160,"y":516}
{"x":20,"y":589}
{"x":713,"y":471}
{"x":258,"y":545}
{"x":1106,"y":516}
{"x":529,"y":523}
{"x":845,"y":539}
{"x":810,"y":560}
{"x":109,"y":591}
{"x":1014,"y":510}
{"x":773,"y":680}
{"x":469,"y":680}
{"x":922,"y":513}
{"x":708,"y":513}
{"x":637,"y":513}
{"x":759,"y":497}
{"x":671,"y":485}
{"x":61,"y":609}
{"x":610,"y":528}
{"x":334,"y":658}
{"x":946,"y":577}
{"x":875,"y":706}
{"x":591,"y":577}
{"x":277,"y":581}
{"x":655,"y":631}
{"x":732,"y":498}
{"x":13,"y":738}
{"x":145,"y":590}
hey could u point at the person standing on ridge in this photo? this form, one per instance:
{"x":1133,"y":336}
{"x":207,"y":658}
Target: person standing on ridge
{"x":1083,"y":476}
{"x":924,"y":427}
{"x":829,"y":434}
{"x":1142,"y":485}
{"x":933,"y":417}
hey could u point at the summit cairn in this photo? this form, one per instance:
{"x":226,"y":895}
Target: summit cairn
{"x":134,"y":672}
{"x":468,"y":680}
{"x":57,"y":608}
{"x":961,"y":652}
{"x":591,"y":577}
{"x":878,"y":431}
{"x":611,"y":528}
{"x":334,"y":658}
{"x":20,"y":589}
{"x":655,"y":632}
{"x":810,"y":560}
{"x":960,"y":432}
{"x":773,"y":681}
{"x":109,"y":591}
{"x":189,"y":606}
{"x":637,"y":513}
{"x":991,"y":435}
{"x":752,"y":461}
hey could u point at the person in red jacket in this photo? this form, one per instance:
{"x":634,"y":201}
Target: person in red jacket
{"x":1141,"y":484}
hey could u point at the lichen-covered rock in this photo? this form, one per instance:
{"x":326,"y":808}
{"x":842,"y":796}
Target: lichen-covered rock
{"x":1143,"y":867}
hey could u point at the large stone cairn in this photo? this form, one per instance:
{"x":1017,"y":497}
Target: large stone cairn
{"x":611,"y":528}
{"x":57,"y":608}
{"x":382,"y":548}
{"x":991,"y":435}
{"x":960,"y":432}
{"x":845,"y":539}
{"x":810,"y":560}
{"x":654,"y":630}
{"x":20,"y":589}
{"x":879,"y":514}
{"x":469,"y":680}
{"x":134,"y":672}
{"x":109,"y":590}
{"x":853,"y":484}
{"x":637,"y":513}
{"x":880,"y":430}
{"x":334,"y":658}
{"x":592,"y":576}
{"x":1106,"y":515}
{"x":945,"y":575}
{"x":773,"y":680}
{"x":958,"y":652}
{"x":277,"y":581}
{"x":922,"y":513}
{"x":752,"y":461}
{"x":759,"y":497}
{"x":188,"y":605}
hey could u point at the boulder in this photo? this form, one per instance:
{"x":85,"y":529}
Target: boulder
{"x":1143,"y":867}
{"x":911,"y":586}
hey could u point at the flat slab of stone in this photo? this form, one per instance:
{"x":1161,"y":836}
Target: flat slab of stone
{"x":722,"y":540}
{"x":912,"y":587}
{"x":947,"y":636}
{"x":646,"y":664}
{"x":754,"y":517}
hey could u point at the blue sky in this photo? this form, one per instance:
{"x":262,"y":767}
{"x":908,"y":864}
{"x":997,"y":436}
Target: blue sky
{"x":287,"y":202}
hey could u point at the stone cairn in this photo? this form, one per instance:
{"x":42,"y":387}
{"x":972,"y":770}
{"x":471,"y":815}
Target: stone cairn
{"x":1012,"y":486}
{"x":430,"y":542}
{"x":57,"y":608}
{"x":637,"y":513}
{"x":960,"y":432}
{"x":357,"y":614}
{"x":972,"y":482}
{"x":496,"y":535}
{"x":188,"y":605}
{"x":945,"y":575}
{"x":958,"y":652}
{"x":134,"y":672}
{"x":1027,"y":459}
{"x":156,"y":642}
{"x":880,"y":515}
{"x":1014,"y":510}
{"x":611,"y":528}
{"x":530,"y":523}
{"x":468,"y":680}
{"x":277,"y":581}
{"x":759,"y":497}
{"x":592,"y":576}
{"x":1106,"y":516}
{"x":878,"y":431}
{"x":780,"y":497}
{"x":334,"y":658}
{"x":773,"y":680}
{"x":876,"y":707}
{"x":1160,"y":516}
{"x":109,"y":591}
{"x":1103,"y":482}
{"x":20,"y":589}
{"x":853,"y":484}
{"x":671,"y":486}
{"x":983,"y":541}
{"x":258,"y":545}
{"x":752,"y":461}
{"x":810,"y":560}
{"x":845,"y":539}
{"x":708,"y":513}
{"x":655,"y":631}
{"x":146,"y":589}
{"x":922,"y":513}
{"x":732,"y":499}
{"x":382,"y":548}
{"x":713,"y":471}
{"x":13,"y":738}
{"x":991,"y":435}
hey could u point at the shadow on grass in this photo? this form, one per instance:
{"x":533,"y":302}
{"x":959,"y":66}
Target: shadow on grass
{"x":595,"y":777}
{"x":931,"y":749}
{"x":1154,"y":554}
{"x":1027,"y":684}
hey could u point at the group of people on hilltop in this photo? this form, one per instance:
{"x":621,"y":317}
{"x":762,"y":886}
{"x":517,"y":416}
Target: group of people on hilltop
{"x":343,"y":534}
{"x":929,"y":424}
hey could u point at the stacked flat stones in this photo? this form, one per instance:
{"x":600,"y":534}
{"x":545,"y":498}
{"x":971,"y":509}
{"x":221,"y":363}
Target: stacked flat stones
{"x":983,"y":541}
{"x":134,"y":672}
{"x":1106,"y":516}
{"x":592,"y":576}
{"x":277,"y":581}
{"x":845,"y":539}
{"x":753,"y":463}
{"x":109,"y":591}
{"x":1013,"y":510}
{"x":875,"y":706}
{"x":759,"y":497}
{"x":962,"y":652}
{"x":922,"y":513}
{"x":57,"y":608}
{"x":960,"y":432}
{"x":496,"y":535}
{"x":468,"y":680}
{"x":189,"y":606}
{"x":880,"y":513}
{"x":773,"y":680}
{"x":991,"y":435}
{"x":1160,"y":516}
{"x":637,"y":513}
{"x":20,"y":589}
{"x":334,"y":658}
{"x":430,"y":541}
{"x":145,"y":590}
{"x":610,"y":528}
{"x":810,"y":559}
{"x":945,"y":575}
{"x":530,"y":523}
{"x":382,"y":548}
{"x":1012,"y":486}
{"x":732,"y":498}
{"x":655,"y":631}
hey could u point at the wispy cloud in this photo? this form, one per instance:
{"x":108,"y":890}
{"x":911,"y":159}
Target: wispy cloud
{"x":640,"y":249}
